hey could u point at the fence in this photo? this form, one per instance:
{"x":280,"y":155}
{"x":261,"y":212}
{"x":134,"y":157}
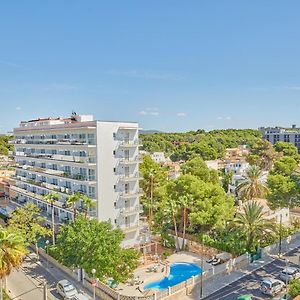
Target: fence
{"x":183,"y":288}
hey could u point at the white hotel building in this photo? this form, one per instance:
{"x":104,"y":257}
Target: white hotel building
{"x":65,"y":155}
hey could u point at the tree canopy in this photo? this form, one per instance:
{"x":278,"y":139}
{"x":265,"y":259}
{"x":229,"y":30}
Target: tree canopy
{"x":90,"y":244}
{"x":27,"y":221}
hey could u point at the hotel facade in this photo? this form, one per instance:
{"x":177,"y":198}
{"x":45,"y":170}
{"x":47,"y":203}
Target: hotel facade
{"x":78,"y":154}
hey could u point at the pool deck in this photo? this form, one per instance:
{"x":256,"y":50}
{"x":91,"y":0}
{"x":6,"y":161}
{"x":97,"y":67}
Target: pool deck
{"x":143,"y":276}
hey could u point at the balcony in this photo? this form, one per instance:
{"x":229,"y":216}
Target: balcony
{"x":131,"y":210}
{"x":39,"y":197}
{"x":58,"y":173}
{"x":51,"y":142}
{"x":127,"y":228}
{"x":129,"y":143}
{"x":131,"y":194}
{"x":129,"y":177}
{"x":64,"y":191}
{"x":65,"y":158}
{"x":130,"y":160}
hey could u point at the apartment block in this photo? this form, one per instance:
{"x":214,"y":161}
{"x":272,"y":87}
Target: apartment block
{"x":276,"y":134}
{"x":79,"y":154}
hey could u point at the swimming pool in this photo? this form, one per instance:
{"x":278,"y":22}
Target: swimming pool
{"x":178,"y":272}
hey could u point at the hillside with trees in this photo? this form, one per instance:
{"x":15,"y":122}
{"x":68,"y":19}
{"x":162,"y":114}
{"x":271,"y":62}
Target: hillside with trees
{"x":208,"y":145}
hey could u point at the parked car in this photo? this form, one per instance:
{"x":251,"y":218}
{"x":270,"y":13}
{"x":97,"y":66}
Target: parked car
{"x":289,"y":273}
{"x":271,"y":286}
{"x":66,"y":289}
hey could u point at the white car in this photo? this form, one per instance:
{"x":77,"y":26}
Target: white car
{"x":66,"y":289}
{"x":289,"y":273}
{"x":271,"y":286}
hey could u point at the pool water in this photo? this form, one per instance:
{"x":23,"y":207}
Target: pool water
{"x":178,"y":272}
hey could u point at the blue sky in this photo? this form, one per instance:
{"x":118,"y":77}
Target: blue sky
{"x":170,"y":65}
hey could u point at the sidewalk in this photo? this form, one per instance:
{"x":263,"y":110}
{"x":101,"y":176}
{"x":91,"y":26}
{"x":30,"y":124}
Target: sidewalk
{"x":212,"y":285}
{"x":28,"y":282}
{"x":22,"y":285}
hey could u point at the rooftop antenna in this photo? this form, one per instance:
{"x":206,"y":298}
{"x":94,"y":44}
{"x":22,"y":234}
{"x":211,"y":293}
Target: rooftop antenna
{"x":74,"y":113}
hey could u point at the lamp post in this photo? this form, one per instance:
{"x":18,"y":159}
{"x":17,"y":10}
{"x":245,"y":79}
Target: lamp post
{"x":94,"y":283}
{"x":286,"y":279}
{"x":47,"y":244}
{"x":201,"y":274}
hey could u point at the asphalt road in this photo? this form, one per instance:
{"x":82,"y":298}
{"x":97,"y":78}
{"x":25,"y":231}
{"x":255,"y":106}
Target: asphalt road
{"x":249,"y":284}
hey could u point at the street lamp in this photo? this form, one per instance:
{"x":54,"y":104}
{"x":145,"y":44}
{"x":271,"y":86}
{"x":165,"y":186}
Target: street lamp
{"x":94,"y":283}
{"x":47,"y":244}
{"x":280,"y":236}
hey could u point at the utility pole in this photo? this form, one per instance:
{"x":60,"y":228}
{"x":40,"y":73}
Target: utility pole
{"x":201,"y":275}
{"x":280,"y":235}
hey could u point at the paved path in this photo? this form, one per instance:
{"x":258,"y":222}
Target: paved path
{"x":28,"y":282}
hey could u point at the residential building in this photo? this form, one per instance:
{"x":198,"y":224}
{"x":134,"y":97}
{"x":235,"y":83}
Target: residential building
{"x":216,"y":164}
{"x":78,"y":154}
{"x":276,"y":134}
{"x":159,"y":157}
{"x":237,"y":167}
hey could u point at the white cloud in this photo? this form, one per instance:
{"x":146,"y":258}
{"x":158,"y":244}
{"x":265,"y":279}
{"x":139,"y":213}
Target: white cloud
{"x":228,"y":118}
{"x":18,"y":108}
{"x":150,"y":111}
{"x":181,"y":114}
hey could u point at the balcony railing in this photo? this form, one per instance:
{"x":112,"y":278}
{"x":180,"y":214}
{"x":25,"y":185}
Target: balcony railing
{"x":130,"y":177}
{"x":67,"y":158}
{"x":58,"y":173}
{"x":38,"y":197}
{"x":55,"y":142}
{"x":134,"y":193}
{"x":130,"y":160}
{"x":129,"y":143}
{"x":131,"y":210}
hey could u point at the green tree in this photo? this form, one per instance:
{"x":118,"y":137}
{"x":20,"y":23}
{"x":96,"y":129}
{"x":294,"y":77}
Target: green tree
{"x":252,"y":186}
{"x":253,"y":222}
{"x":52,"y":198}
{"x":262,"y":154}
{"x":294,"y":288}
{"x":153,"y":177}
{"x":283,"y":191}
{"x":87,"y":204}
{"x":27,"y":221}
{"x":287,"y":149}
{"x":198,"y":168}
{"x":72,"y":201}
{"x":89,"y":244}
{"x":12,"y":250}
{"x":208,"y":204}
{"x":285,"y":166}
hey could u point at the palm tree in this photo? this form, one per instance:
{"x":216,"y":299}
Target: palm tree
{"x":252,"y":185}
{"x":252,"y":221}
{"x":12,"y":250}
{"x":72,"y":200}
{"x":87,"y":204}
{"x":185,"y":202}
{"x":172,"y":206}
{"x":51,"y":198}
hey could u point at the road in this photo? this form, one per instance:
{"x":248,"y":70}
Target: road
{"x":249,"y":284}
{"x":28,"y":282}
